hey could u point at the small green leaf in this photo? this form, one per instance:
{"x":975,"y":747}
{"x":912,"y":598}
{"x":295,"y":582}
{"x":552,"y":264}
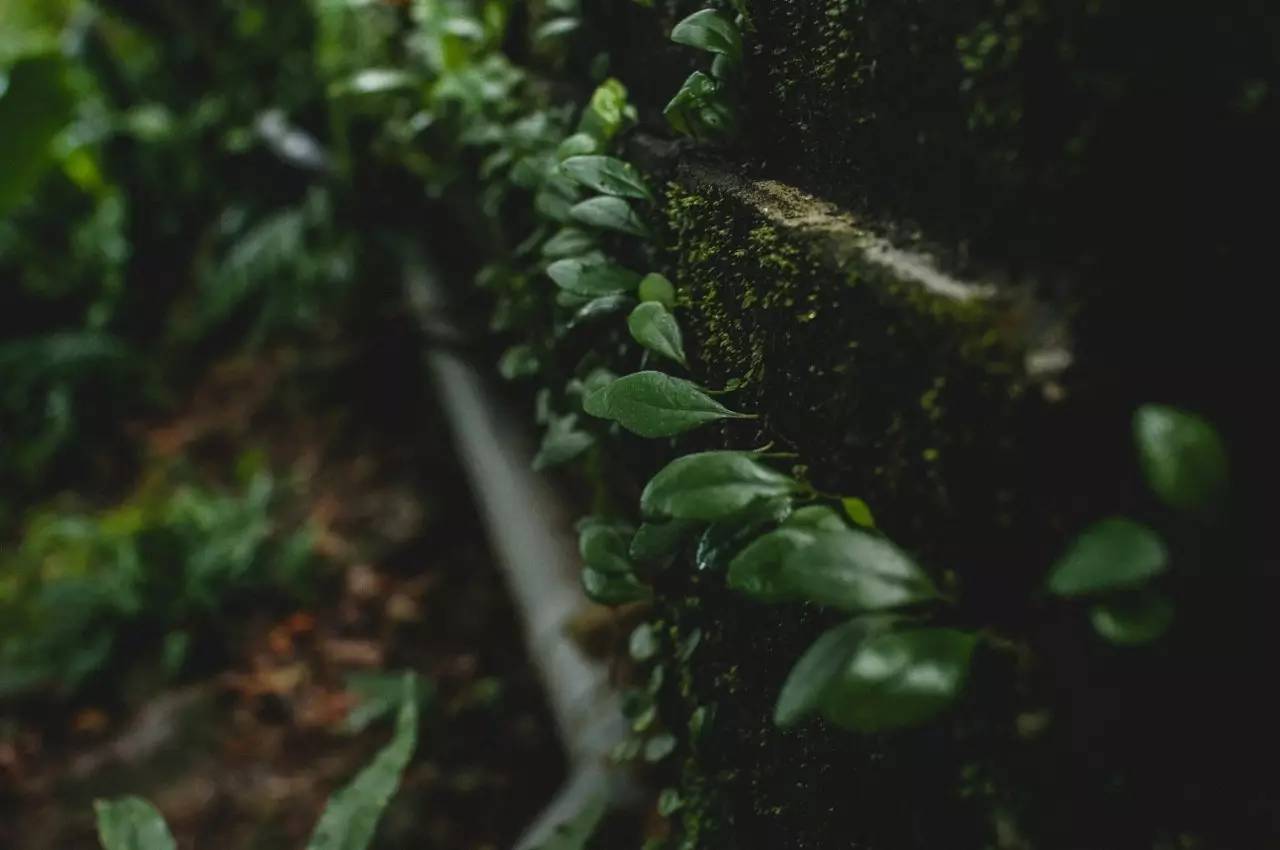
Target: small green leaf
{"x":519,"y":361}
{"x":1109,"y":555}
{"x":701,"y":109}
{"x":556,"y":27}
{"x":381,"y":695}
{"x":608,"y":113}
{"x":659,"y":747}
{"x":591,"y":278}
{"x":579,"y":144}
{"x":131,"y":823}
{"x":821,"y":663}
{"x":855,"y":571}
{"x":656,"y":329}
{"x":562,"y":442}
{"x":816,"y":517}
{"x":607,"y":175}
{"x":604,"y":546}
{"x":609,"y":213}
{"x":1132,"y":619}
{"x":351,"y":817}
{"x":612,"y":589}
{"x":858,"y":511}
{"x":711,"y":485}
{"x":757,"y":569}
{"x":669,"y":802}
{"x":657,"y":540}
{"x":899,"y":679}
{"x":709,"y":30}
{"x":374,"y":81}
{"x":652,"y":404}
{"x":655,"y":287}
{"x":605,"y":305}
{"x":569,"y":242}
{"x":643,"y":644}
{"x":1184,"y":458}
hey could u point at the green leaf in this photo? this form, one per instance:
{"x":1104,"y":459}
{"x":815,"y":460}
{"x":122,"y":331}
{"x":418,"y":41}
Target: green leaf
{"x":655,"y":287}
{"x":34,"y":107}
{"x":381,"y":695}
{"x":656,"y":540}
{"x":577,"y":832}
{"x":899,"y":679}
{"x":643,"y":644}
{"x":1132,"y":619}
{"x":712,"y":31}
{"x":605,"y":305}
{"x":607,"y":175}
{"x":569,"y":242}
{"x":1109,"y":555}
{"x":608,"y":113}
{"x":1184,"y":458}
{"x":609,"y":213}
{"x":652,"y":404}
{"x":701,"y":109}
{"x":131,"y":823}
{"x":579,"y":144}
{"x":710,"y":485}
{"x":562,"y":442}
{"x":374,"y":81}
{"x":855,"y":571}
{"x":821,"y":663}
{"x":816,"y":517}
{"x":556,"y":27}
{"x":604,"y":547}
{"x":351,"y":817}
{"x":724,"y":537}
{"x":656,"y":329}
{"x":519,"y":361}
{"x":858,"y":511}
{"x":659,"y":747}
{"x":757,"y":569}
{"x":612,"y":589}
{"x":592,"y":278}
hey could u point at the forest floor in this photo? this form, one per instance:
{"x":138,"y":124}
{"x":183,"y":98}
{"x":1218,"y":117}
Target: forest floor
{"x":244,"y":747}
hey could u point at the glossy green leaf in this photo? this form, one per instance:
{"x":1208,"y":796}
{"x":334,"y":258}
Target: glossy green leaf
{"x":607,"y":175}
{"x":351,"y":817}
{"x":131,"y":823}
{"x":604,"y":547}
{"x":1184,"y":458}
{"x":576,"y":833}
{"x":611,"y":588}
{"x":35,"y":105}
{"x":1132,"y":619}
{"x":817,"y":517}
{"x":757,"y":569}
{"x":655,"y":287}
{"x":656,"y":329}
{"x":710,"y":30}
{"x":374,"y":81}
{"x":656,"y":540}
{"x":1109,"y":555}
{"x":608,"y":112}
{"x":899,"y":679}
{"x":701,"y":109}
{"x":609,"y":213}
{"x":605,"y":305}
{"x":723,"y":538}
{"x":659,"y":747}
{"x":821,"y":663}
{"x":590,"y":278}
{"x":855,"y":571}
{"x":710,"y":485}
{"x":569,"y":242}
{"x":562,"y":442}
{"x":653,"y":404}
